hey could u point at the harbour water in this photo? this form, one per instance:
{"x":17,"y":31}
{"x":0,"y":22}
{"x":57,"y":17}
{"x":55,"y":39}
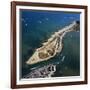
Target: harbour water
{"x":36,"y":28}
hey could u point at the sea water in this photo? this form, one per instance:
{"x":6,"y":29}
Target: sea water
{"x":36,"y":27}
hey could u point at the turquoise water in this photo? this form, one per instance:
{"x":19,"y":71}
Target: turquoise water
{"x":36,"y":28}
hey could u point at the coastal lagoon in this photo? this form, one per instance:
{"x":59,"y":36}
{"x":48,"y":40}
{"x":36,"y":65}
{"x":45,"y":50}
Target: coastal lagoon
{"x":36,"y":27}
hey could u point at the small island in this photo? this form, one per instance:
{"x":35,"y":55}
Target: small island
{"x":53,"y":45}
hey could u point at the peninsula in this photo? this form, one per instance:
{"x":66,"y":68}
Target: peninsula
{"x":42,"y":72}
{"x":53,"y":45}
